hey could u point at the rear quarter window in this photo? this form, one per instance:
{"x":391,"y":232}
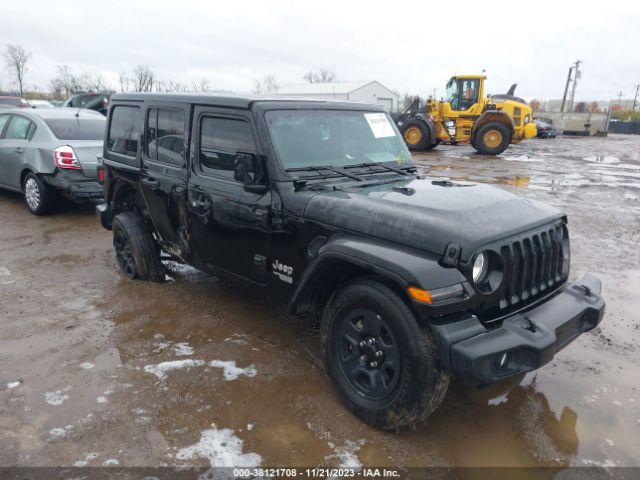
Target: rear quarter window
{"x":77,"y":128}
{"x":124,"y":130}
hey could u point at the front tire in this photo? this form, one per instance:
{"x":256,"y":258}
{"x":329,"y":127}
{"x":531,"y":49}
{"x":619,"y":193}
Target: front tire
{"x":416,"y":135}
{"x":137,"y":254}
{"x":493,"y":138}
{"x":37,"y":195}
{"x":381,"y":362}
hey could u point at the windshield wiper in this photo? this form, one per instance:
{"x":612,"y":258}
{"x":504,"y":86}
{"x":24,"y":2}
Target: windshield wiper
{"x":373,"y":164}
{"x":319,"y":168}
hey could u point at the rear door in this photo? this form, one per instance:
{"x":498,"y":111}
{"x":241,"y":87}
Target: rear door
{"x":164,"y":172}
{"x":229,"y":227}
{"x":17,"y":134}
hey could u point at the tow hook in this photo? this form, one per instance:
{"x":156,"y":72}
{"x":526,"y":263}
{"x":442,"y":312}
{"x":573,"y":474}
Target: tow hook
{"x":585,"y":289}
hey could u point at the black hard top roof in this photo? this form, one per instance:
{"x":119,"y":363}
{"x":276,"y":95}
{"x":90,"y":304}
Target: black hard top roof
{"x":241,"y":101}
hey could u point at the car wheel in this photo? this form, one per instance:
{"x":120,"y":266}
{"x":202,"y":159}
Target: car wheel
{"x":416,"y":135}
{"x":37,"y":195}
{"x":493,"y":138}
{"x":137,"y":254}
{"x":381,"y":362}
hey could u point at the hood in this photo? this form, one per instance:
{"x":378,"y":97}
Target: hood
{"x":87,"y":152}
{"x":428,"y":214}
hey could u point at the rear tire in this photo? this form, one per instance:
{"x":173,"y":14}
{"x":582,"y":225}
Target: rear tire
{"x":493,"y":138}
{"x":416,"y":135}
{"x":137,"y":254}
{"x":381,"y":362}
{"x":38,"y":195}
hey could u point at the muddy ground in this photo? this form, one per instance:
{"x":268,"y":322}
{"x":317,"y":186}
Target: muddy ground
{"x":82,"y":349}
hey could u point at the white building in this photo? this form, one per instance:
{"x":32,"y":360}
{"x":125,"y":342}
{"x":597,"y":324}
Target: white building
{"x":366,"y":92}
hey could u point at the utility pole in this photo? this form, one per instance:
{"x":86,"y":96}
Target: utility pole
{"x":635,"y":99}
{"x":620,"y":100}
{"x":566,"y":89}
{"x":575,"y":83}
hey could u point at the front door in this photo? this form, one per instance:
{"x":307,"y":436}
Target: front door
{"x":229,"y":227}
{"x":163,"y":180}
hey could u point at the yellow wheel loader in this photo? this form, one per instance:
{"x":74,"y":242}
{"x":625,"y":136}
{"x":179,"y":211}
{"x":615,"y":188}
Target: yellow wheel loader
{"x":465,"y":115}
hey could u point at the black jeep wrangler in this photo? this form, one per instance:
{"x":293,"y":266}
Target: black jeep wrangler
{"x":410,"y":279}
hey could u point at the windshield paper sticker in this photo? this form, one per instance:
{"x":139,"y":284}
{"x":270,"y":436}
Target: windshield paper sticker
{"x":379,"y":125}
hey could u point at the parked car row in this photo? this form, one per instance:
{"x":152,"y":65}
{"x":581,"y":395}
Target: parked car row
{"x":90,"y":100}
{"x":545,"y":129}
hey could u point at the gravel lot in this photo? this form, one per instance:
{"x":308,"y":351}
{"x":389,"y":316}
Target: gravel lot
{"x":101,"y":370}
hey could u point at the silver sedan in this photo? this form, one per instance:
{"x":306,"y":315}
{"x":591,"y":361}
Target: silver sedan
{"x":46,"y":152}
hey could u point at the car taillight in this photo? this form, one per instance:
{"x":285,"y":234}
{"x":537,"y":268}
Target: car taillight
{"x":101,"y":174}
{"x":105,"y":102}
{"x":65,"y":157}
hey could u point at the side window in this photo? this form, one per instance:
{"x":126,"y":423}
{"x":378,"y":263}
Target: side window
{"x":165,"y":135}
{"x":469,"y":93}
{"x":221,"y":139}
{"x":18,"y":128}
{"x":123,"y":130}
{"x":3,"y":122}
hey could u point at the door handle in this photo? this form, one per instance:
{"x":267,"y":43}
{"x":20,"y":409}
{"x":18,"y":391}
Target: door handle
{"x":19,"y":150}
{"x":152,"y":183}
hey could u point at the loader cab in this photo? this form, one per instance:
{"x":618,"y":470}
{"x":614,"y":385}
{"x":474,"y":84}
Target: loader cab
{"x":464,"y":92}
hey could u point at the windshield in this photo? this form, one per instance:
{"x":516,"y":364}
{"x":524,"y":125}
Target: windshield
{"x":336,"y":138}
{"x":77,"y":128}
{"x":452,"y":90}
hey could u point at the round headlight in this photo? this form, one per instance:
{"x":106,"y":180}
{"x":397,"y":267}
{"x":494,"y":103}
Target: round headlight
{"x":480,"y":267}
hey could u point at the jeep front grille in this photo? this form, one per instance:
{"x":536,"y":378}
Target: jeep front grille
{"x":533,"y":265}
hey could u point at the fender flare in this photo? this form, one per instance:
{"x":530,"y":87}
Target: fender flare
{"x":490,"y":116}
{"x":403,"y":267}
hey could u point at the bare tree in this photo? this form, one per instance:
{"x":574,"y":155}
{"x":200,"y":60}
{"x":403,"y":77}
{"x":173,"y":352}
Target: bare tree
{"x":594,"y":107}
{"x":171,"y":86}
{"x":266,"y":85}
{"x":66,"y":82}
{"x":202,"y":86}
{"x":321,"y":76}
{"x":580,"y":107}
{"x":407,"y":99}
{"x":125,"y":81}
{"x":535,"y":105}
{"x":16,"y":58}
{"x":143,"y":79}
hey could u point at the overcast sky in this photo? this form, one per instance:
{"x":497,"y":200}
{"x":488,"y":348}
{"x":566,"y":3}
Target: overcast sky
{"x":408,"y":46}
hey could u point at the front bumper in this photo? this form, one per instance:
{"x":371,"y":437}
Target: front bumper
{"x":525,"y":341}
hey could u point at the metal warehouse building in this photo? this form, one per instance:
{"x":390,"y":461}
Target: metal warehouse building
{"x":367,"y":92}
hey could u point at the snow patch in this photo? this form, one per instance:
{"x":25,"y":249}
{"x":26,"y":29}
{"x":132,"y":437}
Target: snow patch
{"x":87,"y":365}
{"x":101,"y":399}
{"x":231,"y":371}
{"x":346,"y":455}
{"x":222,"y":448}
{"x":57,"y":397}
{"x":161,"y":369}
{"x":249,"y":426}
{"x":15,"y":384}
{"x":88,"y":457}
{"x":60,"y":432}
{"x":183,"y":349}
{"x":110,"y":462}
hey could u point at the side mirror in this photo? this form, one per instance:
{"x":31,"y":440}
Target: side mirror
{"x":248,"y":169}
